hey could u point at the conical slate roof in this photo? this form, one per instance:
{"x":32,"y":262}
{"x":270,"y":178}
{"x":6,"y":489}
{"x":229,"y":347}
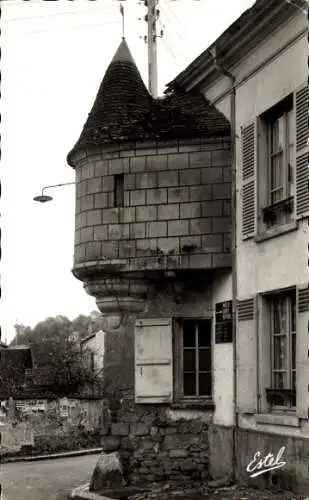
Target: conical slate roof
{"x":125,"y":111}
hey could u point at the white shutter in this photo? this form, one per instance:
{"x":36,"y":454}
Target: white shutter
{"x":246,"y":356}
{"x":153,"y":361}
{"x":302,"y":135}
{"x":248,"y":153}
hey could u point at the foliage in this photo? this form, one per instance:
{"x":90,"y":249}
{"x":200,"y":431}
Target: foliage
{"x":61,"y":363}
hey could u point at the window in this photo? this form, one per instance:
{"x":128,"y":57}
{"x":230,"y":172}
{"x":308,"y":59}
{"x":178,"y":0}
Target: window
{"x":119,"y":190}
{"x":278,"y":181}
{"x":282,"y":329}
{"x":195,"y":359}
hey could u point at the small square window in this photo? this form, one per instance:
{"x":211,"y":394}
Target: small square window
{"x":119,"y":190}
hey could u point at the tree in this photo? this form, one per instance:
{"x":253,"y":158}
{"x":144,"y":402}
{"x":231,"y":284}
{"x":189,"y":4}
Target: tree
{"x":60,"y":364}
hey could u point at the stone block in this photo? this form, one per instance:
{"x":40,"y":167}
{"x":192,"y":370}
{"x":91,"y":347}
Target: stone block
{"x":227,"y":174}
{"x":101,"y":200}
{"x":201,"y":226}
{"x":227,"y":209}
{"x":94,"y":185}
{"x":156,"y":229}
{"x":120,"y":429}
{"x":100,"y":232}
{"x":127,"y":214}
{"x":200,"y":193}
{"x":221,"y":157}
{"x":137,"y":164}
{"x":137,"y":197}
{"x":178,"y":161}
{"x":80,"y":220}
{"x":168,"y":244}
{"x":168,"y":212}
{"x":86,"y":234}
{"x":118,"y":166}
{"x":190,"y":210}
{"x":168,"y":178}
{"x":211,"y":208}
{"x":126,"y":199}
{"x":190,"y":241}
{"x":143,"y":247}
{"x":221,"y":191}
{"x":178,"y":453}
{"x":139,"y":429}
{"x":77,"y":237}
{"x":190,"y":177}
{"x":178,"y":195}
{"x":173,"y":442}
{"x":93,"y":217}
{"x":146,"y":180}
{"x":156,"y":162}
{"x":87,"y":202}
{"x":110,"y":216}
{"x":129,"y":182}
{"x":200,"y":261}
{"x":146,"y":444}
{"x":222,"y":224}
{"x":146,"y":213}
{"x":115,"y":231}
{"x":108,"y":183}
{"x":212,"y":175}
{"x":212,"y":243}
{"x":156,"y":197}
{"x":93,"y":250}
{"x":79,"y":253}
{"x":200,"y":159}
{"x":110,"y":249}
{"x":227,"y":243}
{"x":101,"y":169}
{"x":108,"y":473}
{"x":127,"y":249}
{"x":82,"y":188}
{"x":178,"y":228}
{"x":87,"y":171}
{"x":221,"y":260}
{"x":138,"y":230}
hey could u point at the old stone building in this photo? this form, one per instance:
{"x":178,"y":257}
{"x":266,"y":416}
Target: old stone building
{"x":153,"y":246}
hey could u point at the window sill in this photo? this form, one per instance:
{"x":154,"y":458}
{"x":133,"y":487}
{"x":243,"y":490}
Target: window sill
{"x":286,"y":420}
{"x":276,"y":231}
{"x":193,"y":405}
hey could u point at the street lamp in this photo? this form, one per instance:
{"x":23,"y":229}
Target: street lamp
{"x":43,"y":198}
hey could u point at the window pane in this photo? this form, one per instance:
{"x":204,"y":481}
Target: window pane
{"x":280,"y":381}
{"x":189,"y":334}
{"x":279,"y":353}
{"x":279,"y":316}
{"x":204,"y":334}
{"x":189,"y":360}
{"x":189,"y":384}
{"x":204,"y":359}
{"x":293,"y":354}
{"x":278,"y":134}
{"x":205,"y":384}
{"x":290,"y":126}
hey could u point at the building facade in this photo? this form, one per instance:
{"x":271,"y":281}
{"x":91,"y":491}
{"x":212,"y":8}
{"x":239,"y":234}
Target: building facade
{"x":153,"y":246}
{"x":271,"y":111}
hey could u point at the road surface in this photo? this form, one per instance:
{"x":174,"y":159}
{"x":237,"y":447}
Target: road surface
{"x":46,"y":479}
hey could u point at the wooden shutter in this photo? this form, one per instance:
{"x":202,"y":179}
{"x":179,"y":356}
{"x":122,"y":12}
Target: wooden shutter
{"x":248,"y":149}
{"x":153,"y":361}
{"x":302,"y":135}
{"x":302,"y":362}
{"x":246,"y":356}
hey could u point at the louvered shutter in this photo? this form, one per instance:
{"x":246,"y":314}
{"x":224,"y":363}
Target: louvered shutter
{"x":248,"y":149}
{"x":153,"y":361}
{"x":302,"y":134}
{"x":246,"y":356}
{"x":302,"y":364}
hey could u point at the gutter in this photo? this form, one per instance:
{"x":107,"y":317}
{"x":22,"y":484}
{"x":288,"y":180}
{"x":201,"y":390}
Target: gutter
{"x":234,"y":244}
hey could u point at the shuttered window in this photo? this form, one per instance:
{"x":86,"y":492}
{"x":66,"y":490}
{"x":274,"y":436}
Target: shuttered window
{"x":153,"y":361}
{"x":302,"y":134}
{"x":248,"y":178}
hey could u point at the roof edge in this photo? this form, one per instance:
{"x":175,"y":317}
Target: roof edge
{"x":234,"y":36}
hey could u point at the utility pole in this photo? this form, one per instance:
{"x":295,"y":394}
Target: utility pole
{"x":151,"y":19}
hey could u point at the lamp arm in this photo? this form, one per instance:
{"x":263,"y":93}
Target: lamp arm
{"x":57,"y":185}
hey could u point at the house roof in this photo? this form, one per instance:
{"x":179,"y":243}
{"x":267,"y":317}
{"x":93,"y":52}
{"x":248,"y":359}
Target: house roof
{"x":252,"y":27}
{"x":124,"y":110}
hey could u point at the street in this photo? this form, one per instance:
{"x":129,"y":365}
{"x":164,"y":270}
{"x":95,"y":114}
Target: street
{"x":46,"y":479}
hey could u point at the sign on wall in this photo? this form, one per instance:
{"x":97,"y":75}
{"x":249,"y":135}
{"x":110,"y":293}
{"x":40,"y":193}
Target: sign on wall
{"x":224,"y":322}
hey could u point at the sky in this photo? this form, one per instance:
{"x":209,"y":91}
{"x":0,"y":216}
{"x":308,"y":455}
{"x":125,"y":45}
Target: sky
{"x":54,"y":56}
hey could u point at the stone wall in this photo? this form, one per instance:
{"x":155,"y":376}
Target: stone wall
{"x":154,"y":446}
{"x":176,"y":196}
